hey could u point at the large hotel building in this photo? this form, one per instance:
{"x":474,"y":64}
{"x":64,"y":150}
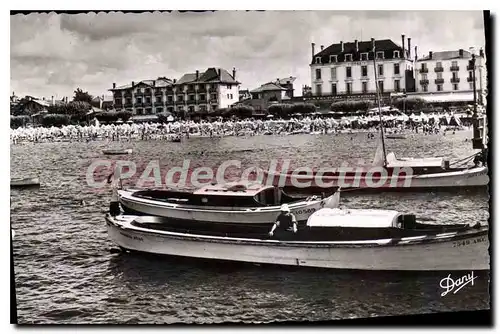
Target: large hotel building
{"x":347,"y":69}
{"x":199,"y":92}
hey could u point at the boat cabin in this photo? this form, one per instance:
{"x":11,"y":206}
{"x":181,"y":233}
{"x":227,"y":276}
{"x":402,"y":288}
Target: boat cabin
{"x":419,"y":165}
{"x":358,"y":218}
{"x":223,"y":195}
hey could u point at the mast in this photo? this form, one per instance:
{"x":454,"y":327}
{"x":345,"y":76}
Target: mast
{"x":378,"y":102}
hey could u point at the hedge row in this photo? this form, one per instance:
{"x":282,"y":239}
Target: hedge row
{"x":284,"y":109}
{"x":113,"y":116}
{"x":55,"y":120}
{"x":351,"y":106}
{"x":17,"y":121}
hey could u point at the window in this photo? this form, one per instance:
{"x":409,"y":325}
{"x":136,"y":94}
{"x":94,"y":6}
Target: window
{"x":471,"y":76}
{"x":348,"y":57}
{"x":202,"y":97}
{"x":439,"y":64}
{"x":228,"y":86}
{"x":180,"y":88}
{"x":364,"y":71}
{"x":158,"y":99}
{"x":318,"y":90}
{"x":318,"y":60}
{"x":118,"y":101}
{"x":334,"y":89}
{"x":348,"y":72}
{"x":471,"y":86}
{"x":181,"y":108}
{"x":423,"y":66}
{"x":228,"y":96}
{"x":454,"y":75}
{"x":191,"y":97}
{"x":334,"y":73}
{"x":424,"y":88}
{"x":191,"y":109}
{"x":180,"y":98}
{"x":396,"y":85}
{"x":439,"y":88}
{"x":454,"y":63}
{"x":148,"y":99}
{"x":381,"y":86}
{"x":231,"y":96}
{"x":364,"y":56}
{"x":159,"y":110}
{"x":439,"y":75}
{"x":139,"y":111}
{"x":128,"y":101}
{"x":364,"y":87}
{"x":148,"y":91}
{"x":213,"y":97}
{"x":396,"y":69}
{"x":348,"y":88}
{"x":455,"y":87}
{"x":318,"y":74}
{"x":424,"y":76}
{"x":170,"y":98}
{"x":203,"y":108}
{"x":333,"y":59}
{"x":381,"y":70}
{"x":139,"y":100}
{"x":380,"y":55}
{"x":396,"y":54}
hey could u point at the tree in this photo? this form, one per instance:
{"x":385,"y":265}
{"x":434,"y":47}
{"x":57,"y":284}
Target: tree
{"x":82,"y":96}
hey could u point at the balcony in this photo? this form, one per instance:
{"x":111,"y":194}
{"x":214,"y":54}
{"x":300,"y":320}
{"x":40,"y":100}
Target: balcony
{"x":158,"y":92}
{"x":438,"y":69}
{"x":139,"y":94}
{"x":470,"y":68}
{"x":128,"y":94}
{"x":455,"y":80}
{"x":439,"y":81}
{"x":158,"y":103}
{"x":470,"y":79}
{"x":424,"y":70}
{"x":128,"y":105}
{"x":191,"y":90}
{"x":191,"y":101}
{"x":170,"y":102}
{"x":212,"y":89}
{"x":424,"y":81}
{"x":147,"y":103}
{"x":454,"y":68}
{"x":212,"y":100}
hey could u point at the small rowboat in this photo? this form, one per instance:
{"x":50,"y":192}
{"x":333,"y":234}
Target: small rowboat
{"x":25,"y":182}
{"x":332,"y":238}
{"x":117,"y":152}
{"x":395,"y":136}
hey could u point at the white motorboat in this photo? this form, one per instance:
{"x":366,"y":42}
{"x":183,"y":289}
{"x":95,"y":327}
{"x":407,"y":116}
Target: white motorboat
{"x":117,"y":152}
{"x":332,"y":238}
{"x":27,"y":182}
{"x":242,"y":203}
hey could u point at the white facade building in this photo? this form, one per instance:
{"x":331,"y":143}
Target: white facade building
{"x":447,"y":73}
{"x":196,"y":92}
{"x":345,"y":69}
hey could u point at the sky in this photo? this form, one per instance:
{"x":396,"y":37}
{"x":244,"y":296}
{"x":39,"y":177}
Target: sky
{"x":53,"y":54}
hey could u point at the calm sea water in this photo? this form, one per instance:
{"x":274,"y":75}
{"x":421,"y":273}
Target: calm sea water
{"x":65,"y":272}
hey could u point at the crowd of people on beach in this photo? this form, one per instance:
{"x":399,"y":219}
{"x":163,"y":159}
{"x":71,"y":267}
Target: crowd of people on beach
{"x":249,"y":127}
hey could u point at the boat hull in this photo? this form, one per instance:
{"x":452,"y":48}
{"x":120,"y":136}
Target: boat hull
{"x":263,"y":215}
{"x":469,"y":178}
{"x":468,"y":252}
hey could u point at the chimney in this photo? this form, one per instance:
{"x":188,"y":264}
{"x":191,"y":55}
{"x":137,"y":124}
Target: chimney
{"x":341,"y":46}
{"x":356,"y":44}
{"x":481,"y":52}
{"x":114,"y":85}
{"x":52,"y":100}
{"x":234,"y":73}
{"x":154,"y":83}
{"x":133,"y":84}
{"x":430,"y":54}
{"x":373,"y":45}
{"x":409,"y":47}
{"x":312,"y":50}
{"x":461,"y":52}
{"x":43,"y":98}
{"x":175,"y":80}
{"x":100,"y":102}
{"x":403,"y":45}
{"x":416,"y":54}
{"x":197,"y":75}
{"x":322,"y":47}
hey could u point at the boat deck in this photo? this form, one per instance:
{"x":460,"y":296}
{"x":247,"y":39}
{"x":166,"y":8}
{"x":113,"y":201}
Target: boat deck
{"x":304,"y":233}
